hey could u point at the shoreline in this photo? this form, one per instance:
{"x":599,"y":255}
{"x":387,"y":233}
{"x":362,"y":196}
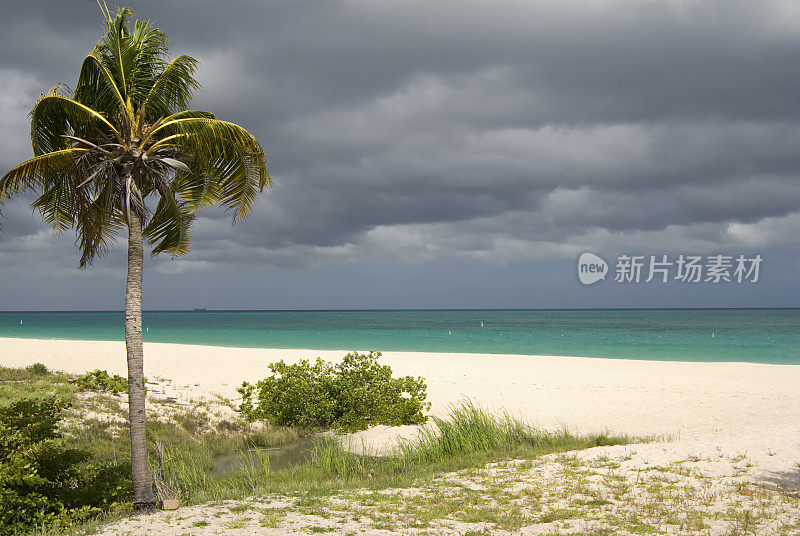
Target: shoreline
{"x":385,"y":352}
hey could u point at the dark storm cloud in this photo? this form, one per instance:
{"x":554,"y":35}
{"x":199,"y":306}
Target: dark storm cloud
{"x":498,"y":131}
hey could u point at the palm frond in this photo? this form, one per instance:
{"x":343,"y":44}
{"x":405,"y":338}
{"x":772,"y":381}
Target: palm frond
{"x":173,"y":88}
{"x":185,"y":114}
{"x":168,"y":228}
{"x":133,"y":57}
{"x":240,"y":177}
{"x":55,"y":116}
{"x":115,"y":51}
{"x":208,"y":135}
{"x":58,"y":204}
{"x":40,"y":171}
{"x":188,"y":114}
{"x":197,"y":190}
{"x":97,"y":89}
{"x":221,"y":152}
{"x":97,"y":223}
{"x":150,"y":45}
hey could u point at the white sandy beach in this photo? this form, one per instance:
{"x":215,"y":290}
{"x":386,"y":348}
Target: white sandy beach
{"x":701,"y":407}
{"x":724,"y":427}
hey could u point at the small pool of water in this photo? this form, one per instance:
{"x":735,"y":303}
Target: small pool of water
{"x":283,"y":457}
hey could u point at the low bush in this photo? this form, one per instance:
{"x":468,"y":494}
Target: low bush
{"x":37,"y":368}
{"x":101,"y":380}
{"x":352,"y":395}
{"x":42,"y":481}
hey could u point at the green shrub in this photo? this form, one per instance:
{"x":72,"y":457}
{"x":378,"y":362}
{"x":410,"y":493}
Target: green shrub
{"x":101,"y":380}
{"x":37,"y":368}
{"x":41,"y":480}
{"x":351,"y":395}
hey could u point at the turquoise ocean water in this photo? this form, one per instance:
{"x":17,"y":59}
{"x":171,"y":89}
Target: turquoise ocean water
{"x":754,"y":335}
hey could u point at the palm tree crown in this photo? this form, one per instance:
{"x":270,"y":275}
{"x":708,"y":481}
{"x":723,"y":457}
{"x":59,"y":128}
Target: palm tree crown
{"x":126,"y":135}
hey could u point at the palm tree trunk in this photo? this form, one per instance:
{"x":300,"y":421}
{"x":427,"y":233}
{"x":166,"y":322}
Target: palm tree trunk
{"x":143,"y":498}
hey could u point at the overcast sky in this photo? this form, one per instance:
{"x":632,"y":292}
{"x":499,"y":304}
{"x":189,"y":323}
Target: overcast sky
{"x":449,"y":154}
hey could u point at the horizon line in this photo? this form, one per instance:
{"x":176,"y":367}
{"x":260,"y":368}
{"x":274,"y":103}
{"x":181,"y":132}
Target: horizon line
{"x":410,"y":309}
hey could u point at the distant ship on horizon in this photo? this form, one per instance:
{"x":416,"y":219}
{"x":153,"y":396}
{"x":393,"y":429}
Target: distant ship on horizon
{"x":199,"y":309}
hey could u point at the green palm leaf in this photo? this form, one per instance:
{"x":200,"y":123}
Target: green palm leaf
{"x":55,"y":116}
{"x":172,"y":88}
{"x":96,"y":88}
{"x":169,"y":227}
{"x":41,"y":170}
{"x":97,"y":223}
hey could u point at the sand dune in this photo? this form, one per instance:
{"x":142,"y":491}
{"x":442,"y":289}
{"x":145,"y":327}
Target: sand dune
{"x":736,"y":407}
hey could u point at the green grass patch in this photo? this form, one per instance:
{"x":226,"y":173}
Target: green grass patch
{"x":470,"y":437}
{"x":32,"y":382}
{"x":188,"y":451}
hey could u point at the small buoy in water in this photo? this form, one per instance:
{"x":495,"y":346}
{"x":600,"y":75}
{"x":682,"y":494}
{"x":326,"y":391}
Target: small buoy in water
{"x":450,"y":332}
{"x":712,"y":334}
{"x":146,"y":330}
{"x":20,"y":322}
{"x":481,"y":323}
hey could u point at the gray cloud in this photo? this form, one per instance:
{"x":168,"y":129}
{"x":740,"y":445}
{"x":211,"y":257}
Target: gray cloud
{"x":419,"y":131}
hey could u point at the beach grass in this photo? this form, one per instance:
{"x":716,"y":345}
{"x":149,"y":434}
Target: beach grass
{"x":34,"y":381}
{"x":96,"y":421}
{"x":470,"y":429}
{"x":469,"y":437}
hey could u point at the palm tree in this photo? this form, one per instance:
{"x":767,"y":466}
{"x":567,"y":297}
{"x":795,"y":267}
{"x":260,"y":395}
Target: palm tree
{"x":125,"y":141}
